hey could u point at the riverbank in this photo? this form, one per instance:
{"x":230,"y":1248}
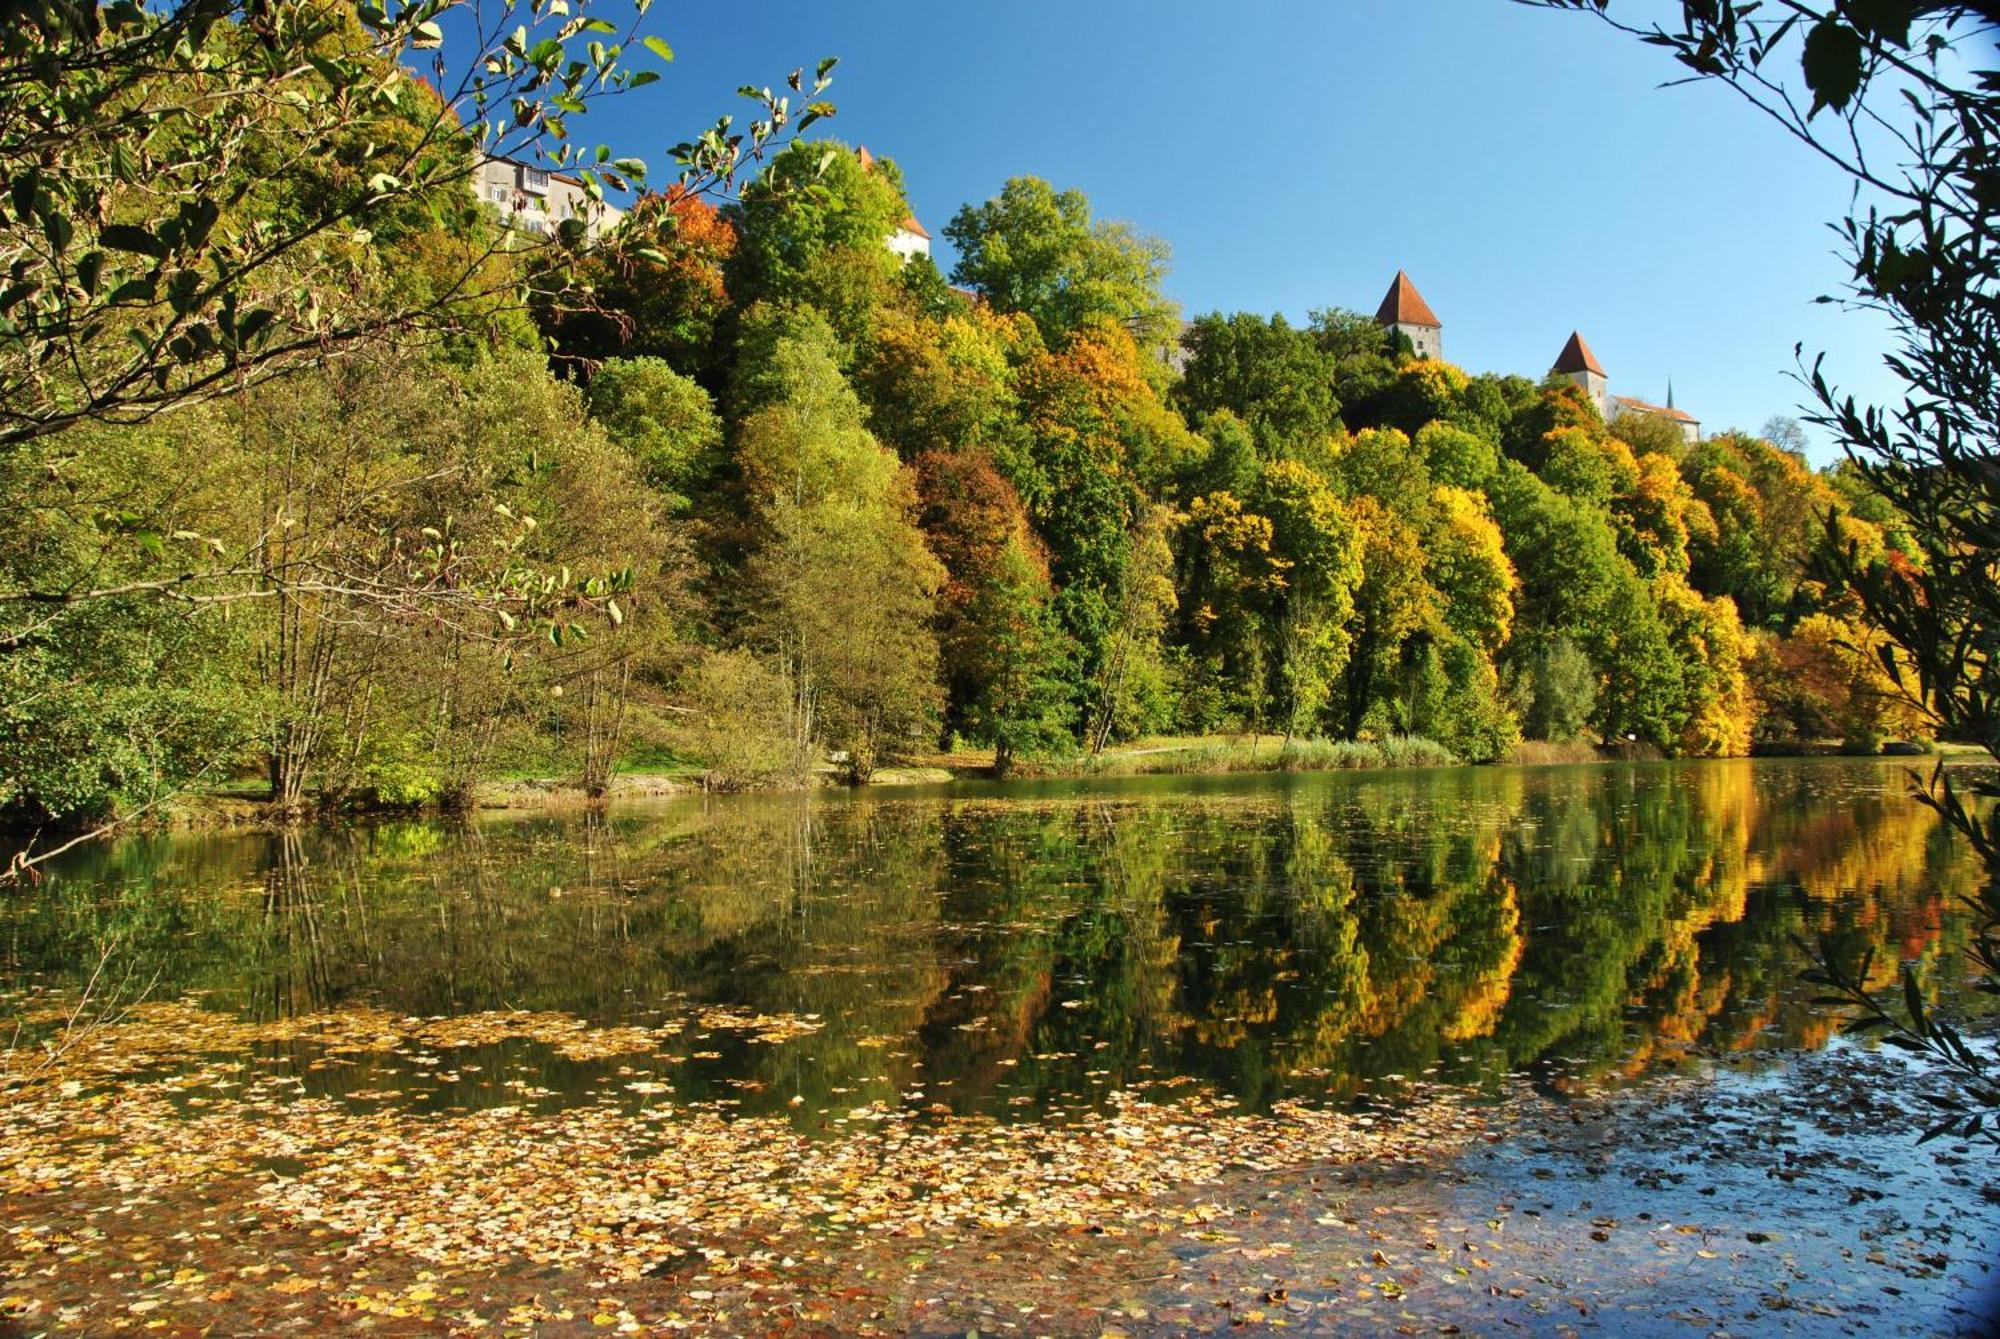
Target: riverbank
{"x":1189,"y":755}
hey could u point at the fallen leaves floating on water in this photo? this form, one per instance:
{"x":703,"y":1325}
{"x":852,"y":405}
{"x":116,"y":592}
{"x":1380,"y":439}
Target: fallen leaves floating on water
{"x":161,"y":1174}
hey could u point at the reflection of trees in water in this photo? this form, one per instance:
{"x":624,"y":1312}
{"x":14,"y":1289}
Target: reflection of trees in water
{"x":1473,"y":921}
{"x":299,"y":976}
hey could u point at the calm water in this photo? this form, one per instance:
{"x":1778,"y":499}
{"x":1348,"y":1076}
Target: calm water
{"x":1026,"y":950}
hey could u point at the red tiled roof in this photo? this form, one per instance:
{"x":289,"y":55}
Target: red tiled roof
{"x":1641,"y":407}
{"x":1406,"y":306}
{"x":910,"y":224}
{"x":1577,"y":357}
{"x":867,"y":159}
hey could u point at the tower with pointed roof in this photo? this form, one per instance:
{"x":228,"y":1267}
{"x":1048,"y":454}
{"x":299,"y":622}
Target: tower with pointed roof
{"x":1404,"y":312}
{"x":1580,"y":365}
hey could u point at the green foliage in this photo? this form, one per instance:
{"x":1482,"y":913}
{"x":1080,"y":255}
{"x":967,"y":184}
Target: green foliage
{"x":665,"y":420}
{"x":1457,"y":456}
{"x":1559,"y":685}
{"x":197,"y":194}
{"x":815,"y":217}
{"x":1455,"y":699}
{"x":1274,"y":378}
{"x":839,"y":589}
{"x":1003,"y":657}
{"x":741,"y":723}
{"x":809,"y":504}
{"x":1037,"y":250}
{"x":659,"y":293}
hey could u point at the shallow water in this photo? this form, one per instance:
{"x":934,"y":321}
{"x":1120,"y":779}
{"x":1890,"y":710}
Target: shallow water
{"x":1024,"y":951}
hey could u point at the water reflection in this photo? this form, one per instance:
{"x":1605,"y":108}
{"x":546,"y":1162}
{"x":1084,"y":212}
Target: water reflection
{"x":1027,"y":950}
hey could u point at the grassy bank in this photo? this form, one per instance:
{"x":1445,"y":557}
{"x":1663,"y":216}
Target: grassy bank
{"x":238,"y":805}
{"x":1199,"y":755}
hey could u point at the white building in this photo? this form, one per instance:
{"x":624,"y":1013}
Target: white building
{"x":534,"y":199}
{"x":1580,"y":365}
{"x":910,"y":239}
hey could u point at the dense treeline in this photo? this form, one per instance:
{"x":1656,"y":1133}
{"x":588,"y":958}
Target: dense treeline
{"x":776,"y":497}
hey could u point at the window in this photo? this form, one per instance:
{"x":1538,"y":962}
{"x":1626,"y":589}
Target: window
{"x":534,"y":179}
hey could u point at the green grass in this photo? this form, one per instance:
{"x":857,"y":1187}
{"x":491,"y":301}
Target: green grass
{"x":1267,"y":753}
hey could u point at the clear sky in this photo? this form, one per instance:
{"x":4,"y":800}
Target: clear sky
{"x":1526,"y":167}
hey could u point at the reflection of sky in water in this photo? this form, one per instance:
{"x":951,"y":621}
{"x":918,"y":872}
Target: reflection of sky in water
{"x":1030,"y":949}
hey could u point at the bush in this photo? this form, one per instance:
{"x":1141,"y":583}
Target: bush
{"x":742,"y":710}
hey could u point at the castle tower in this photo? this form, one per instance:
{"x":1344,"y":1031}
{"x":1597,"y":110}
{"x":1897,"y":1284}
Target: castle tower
{"x":1404,"y":312}
{"x":1580,"y":365}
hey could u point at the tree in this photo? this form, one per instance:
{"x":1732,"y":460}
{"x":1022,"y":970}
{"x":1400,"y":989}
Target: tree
{"x":665,"y":420}
{"x":659,"y":293}
{"x":1457,"y":456}
{"x":1708,"y":638}
{"x":1001,"y":654}
{"x":1129,"y":697}
{"x":1037,"y":250}
{"x":1077,"y":484}
{"x":839,"y":589}
{"x":109,"y":708}
{"x":1322,"y":544}
{"x":1393,"y":602}
{"x":1272,"y":377}
{"x":1831,"y":673}
{"x":1471,"y":570}
{"x":1456,"y":700}
{"x":1560,"y":685}
{"x":816,"y":201}
{"x":1765,"y":524}
{"x":190,"y":187}
{"x":1230,"y":572}
{"x":946,"y":385}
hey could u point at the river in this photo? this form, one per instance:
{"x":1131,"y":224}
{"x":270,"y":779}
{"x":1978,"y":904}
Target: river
{"x":849,"y":977}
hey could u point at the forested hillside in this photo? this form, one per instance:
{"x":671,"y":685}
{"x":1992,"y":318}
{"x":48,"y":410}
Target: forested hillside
{"x":748,"y":493}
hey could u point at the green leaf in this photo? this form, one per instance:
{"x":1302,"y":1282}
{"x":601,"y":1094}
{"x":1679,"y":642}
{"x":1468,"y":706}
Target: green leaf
{"x":1833,"y":63}
{"x":58,"y":229}
{"x":26,"y":191}
{"x":251,"y":326}
{"x":658,"y":48}
{"x":1886,"y":21}
{"x":426,"y":35}
{"x":182,"y":291}
{"x":144,"y":289}
{"x":19,"y":293}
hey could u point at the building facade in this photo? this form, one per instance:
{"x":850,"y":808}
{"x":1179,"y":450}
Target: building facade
{"x":1580,"y":365}
{"x":535,"y":200}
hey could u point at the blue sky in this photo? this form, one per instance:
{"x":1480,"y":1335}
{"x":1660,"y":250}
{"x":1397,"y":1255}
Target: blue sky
{"x":1524,"y":166}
